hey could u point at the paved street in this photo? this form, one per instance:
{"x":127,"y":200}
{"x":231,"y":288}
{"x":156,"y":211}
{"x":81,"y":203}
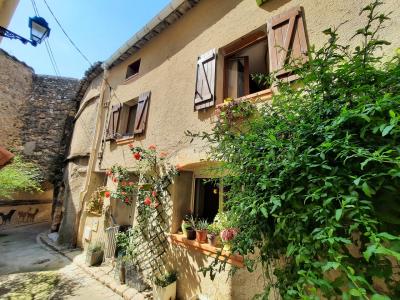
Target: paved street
{"x":29,"y":271}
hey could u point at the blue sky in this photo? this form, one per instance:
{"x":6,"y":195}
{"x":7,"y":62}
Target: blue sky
{"x":98,"y":27}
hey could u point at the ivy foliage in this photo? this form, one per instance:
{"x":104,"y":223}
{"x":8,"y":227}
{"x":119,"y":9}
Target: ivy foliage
{"x":315,"y":177}
{"x":19,"y":176}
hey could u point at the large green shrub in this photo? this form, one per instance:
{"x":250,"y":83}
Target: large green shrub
{"x":315,"y":178}
{"x":19,"y":176}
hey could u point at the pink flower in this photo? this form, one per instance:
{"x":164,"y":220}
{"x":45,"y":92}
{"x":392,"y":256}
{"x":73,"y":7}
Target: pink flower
{"x":147,"y":201}
{"x":130,"y":145}
{"x":107,"y":194}
{"x":152,"y":147}
{"x":154,"y":194}
{"x":163,"y":154}
{"x":131,"y":183}
{"x":228,"y":234}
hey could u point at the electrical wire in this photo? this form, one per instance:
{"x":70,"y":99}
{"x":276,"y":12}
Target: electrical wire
{"x":47,"y":43}
{"x":52,"y":59}
{"x":70,"y":40}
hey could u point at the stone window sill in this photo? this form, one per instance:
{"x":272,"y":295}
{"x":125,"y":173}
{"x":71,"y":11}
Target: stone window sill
{"x":233,"y":259}
{"x":260,"y":96}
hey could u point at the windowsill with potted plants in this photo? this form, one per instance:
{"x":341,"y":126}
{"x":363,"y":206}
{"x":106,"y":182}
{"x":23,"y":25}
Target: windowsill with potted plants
{"x":202,"y":237}
{"x":261,"y":96}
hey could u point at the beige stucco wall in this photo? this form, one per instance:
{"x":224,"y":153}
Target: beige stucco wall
{"x":7,"y":8}
{"x":170,"y":76}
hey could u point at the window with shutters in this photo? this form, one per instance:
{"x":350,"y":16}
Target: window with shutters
{"x":133,"y":69}
{"x":128,"y":119}
{"x":242,"y":63}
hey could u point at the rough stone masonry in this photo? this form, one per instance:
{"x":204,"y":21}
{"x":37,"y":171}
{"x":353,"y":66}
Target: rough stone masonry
{"x":36,"y":114}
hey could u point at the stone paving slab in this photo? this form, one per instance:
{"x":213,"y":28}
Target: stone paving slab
{"x":103,"y":274}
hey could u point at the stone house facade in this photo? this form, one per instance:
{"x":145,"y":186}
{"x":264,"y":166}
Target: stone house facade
{"x":169,"y":78}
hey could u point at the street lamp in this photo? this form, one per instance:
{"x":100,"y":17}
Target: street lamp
{"x":39,"y":31}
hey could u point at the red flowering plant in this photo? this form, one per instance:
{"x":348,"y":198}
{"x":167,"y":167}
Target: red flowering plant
{"x":125,"y":187}
{"x":156,"y":176}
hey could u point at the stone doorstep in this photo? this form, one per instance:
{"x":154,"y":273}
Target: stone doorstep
{"x":101,"y":274}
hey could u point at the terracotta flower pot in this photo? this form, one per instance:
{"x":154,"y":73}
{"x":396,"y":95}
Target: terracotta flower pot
{"x":201,"y":236}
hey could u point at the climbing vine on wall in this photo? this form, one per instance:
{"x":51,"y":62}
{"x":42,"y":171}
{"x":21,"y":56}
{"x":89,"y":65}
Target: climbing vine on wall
{"x":315,"y":177}
{"x":153,"y":207}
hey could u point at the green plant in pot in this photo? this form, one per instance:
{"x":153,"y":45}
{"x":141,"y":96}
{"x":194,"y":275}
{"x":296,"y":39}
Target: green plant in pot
{"x":165,"y":286}
{"x":94,"y":255}
{"x":190,"y":225}
{"x":201,"y":231}
{"x":186,"y":224}
{"x":213,"y":234}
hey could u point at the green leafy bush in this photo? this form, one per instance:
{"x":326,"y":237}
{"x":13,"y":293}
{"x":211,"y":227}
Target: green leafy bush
{"x":316,"y":176}
{"x":19,"y":176}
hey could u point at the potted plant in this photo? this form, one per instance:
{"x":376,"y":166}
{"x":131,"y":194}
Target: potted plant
{"x":190,"y":230}
{"x":201,"y":231}
{"x":227,"y":235}
{"x":165,"y":286}
{"x":94,"y":255}
{"x":186,"y":224}
{"x":213,"y":234}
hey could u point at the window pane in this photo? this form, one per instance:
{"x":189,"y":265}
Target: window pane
{"x":131,"y":120}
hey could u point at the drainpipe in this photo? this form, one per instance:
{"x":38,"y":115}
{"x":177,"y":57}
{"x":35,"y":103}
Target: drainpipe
{"x":92,"y":159}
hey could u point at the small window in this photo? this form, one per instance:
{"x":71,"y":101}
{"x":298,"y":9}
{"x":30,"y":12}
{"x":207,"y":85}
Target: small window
{"x":133,"y":69}
{"x":127,"y":119}
{"x":207,"y":200}
{"x":240,"y":66}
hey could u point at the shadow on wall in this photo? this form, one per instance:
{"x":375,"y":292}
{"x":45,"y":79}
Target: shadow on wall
{"x":273,"y":5}
{"x":187,"y":263}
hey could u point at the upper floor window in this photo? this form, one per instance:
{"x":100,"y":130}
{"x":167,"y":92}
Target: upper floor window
{"x":240,"y":67}
{"x":128,"y":117}
{"x":133,"y":69}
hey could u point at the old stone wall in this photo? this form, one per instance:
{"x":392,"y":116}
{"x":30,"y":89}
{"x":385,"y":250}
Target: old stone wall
{"x":48,"y":122}
{"x":15,"y":88}
{"x":36,"y":114}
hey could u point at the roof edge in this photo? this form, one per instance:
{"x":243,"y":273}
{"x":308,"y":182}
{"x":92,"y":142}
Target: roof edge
{"x":167,"y":16}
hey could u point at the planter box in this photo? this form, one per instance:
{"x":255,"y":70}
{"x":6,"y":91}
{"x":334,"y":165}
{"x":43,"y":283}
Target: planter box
{"x":94,"y":258}
{"x":164,"y":293}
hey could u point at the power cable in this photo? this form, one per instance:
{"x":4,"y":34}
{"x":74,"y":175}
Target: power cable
{"x":70,"y":40}
{"x":52,"y":59}
{"x":47,"y":43}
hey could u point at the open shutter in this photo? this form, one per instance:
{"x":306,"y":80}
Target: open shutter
{"x":205,"y":81}
{"x":113,"y":122}
{"x":141,"y":113}
{"x":286,"y":41}
{"x":5,"y":157}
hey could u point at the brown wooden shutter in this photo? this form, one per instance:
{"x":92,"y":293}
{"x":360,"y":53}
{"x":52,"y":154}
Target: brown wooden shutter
{"x":5,"y":157}
{"x":141,"y":113}
{"x":205,"y":80}
{"x":113,"y":122}
{"x":286,"y":41}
